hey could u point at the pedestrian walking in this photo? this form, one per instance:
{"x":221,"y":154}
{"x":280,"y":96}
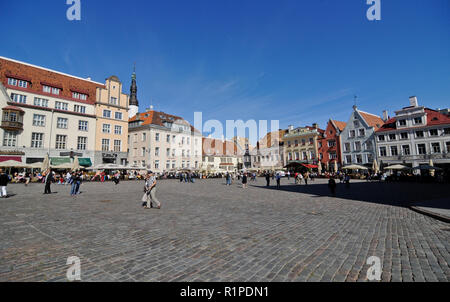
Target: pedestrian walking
{"x":278,"y":181}
{"x":48,"y":181}
{"x":244,"y":181}
{"x":4,"y":179}
{"x":150,"y":192}
{"x":73,"y":181}
{"x":306,"y":178}
{"x":27,"y":178}
{"x":228,"y":179}
{"x":267,"y":179}
{"x":332,"y":186}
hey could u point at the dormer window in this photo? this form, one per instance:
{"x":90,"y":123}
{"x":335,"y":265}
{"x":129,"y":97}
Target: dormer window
{"x":417,"y":120}
{"x":52,"y":90}
{"x":18,"y":83}
{"x":79,"y":96}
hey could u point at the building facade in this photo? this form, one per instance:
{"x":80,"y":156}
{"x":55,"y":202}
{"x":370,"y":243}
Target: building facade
{"x":162,"y":142}
{"x":415,"y":136}
{"x":301,"y":144}
{"x":269,"y":152}
{"x":358,"y":138}
{"x":220,"y":156}
{"x":330,"y":145}
{"x":47,"y":112}
{"x":111,"y":109}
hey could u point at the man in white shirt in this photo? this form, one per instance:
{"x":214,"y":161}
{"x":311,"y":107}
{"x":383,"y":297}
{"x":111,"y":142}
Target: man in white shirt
{"x":150,"y":191}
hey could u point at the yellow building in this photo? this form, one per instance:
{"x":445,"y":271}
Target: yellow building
{"x":111,"y":108}
{"x":301,"y":144}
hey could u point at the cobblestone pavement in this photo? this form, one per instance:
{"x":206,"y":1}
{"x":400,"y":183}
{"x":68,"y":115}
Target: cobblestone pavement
{"x":210,"y":232}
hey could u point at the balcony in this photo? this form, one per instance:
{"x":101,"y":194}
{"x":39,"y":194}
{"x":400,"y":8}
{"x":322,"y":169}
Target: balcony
{"x":12,"y":118}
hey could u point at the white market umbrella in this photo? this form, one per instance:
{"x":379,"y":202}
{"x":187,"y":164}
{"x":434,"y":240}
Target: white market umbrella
{"x":375,"y":166}
{"x":355,"y":167}
{"x":75,"y":164}
{"x":13,"y":164}
{"x":396,"y":167}
{"x":45,"y":164}
{"x":335,"y":167}
{"x":431,"y":165}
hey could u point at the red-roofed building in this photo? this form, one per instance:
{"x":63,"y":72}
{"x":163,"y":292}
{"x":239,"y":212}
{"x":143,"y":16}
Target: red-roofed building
{"x":163,"y":142}
{"x":220,"y":156}
{"x":415,"y":136}
{"x":330,"y":145}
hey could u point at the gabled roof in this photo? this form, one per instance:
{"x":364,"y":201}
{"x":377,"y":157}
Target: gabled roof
{"x":434,"y":118}
{"x":154,"y":118}
{"x":340,"y":125}
{"x":371,"y":119}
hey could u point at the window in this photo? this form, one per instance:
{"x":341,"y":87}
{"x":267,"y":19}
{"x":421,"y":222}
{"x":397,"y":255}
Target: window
{"x":81,"y":144}
{"x":394,"y":151}
{"x":143,"y":163}
{"x":61,"y":106}
{"x":79,"y":96}
{"x":303,"y":142}
{"x":188,"y":140}
{"x":106,"y":128}
{"x":332,"y":156}
{"x":168,"y":152}
{"x":79,"y":108}
{"x":359,"y":159}
{"x":361,"y":132}
{"x":419,"y":134}
{"x":381,"y":138}
{"x":417,"y":120}
{"x":38,"y":120}
{"x":356,"y":124}
{"x":19,"y":98}
{"x":311,"y":141}
{"x":182,"y":140}
{"x":37,"y":140}
{"x":182,"y":153}
{"x":118,"y":115}
{"x":157,"y":137}
{"x":348,"y":159}
{"x":369,"y":158}
{"x":144,"y":137}
{"x":157,"y":151}
{"x":368,"y":145}
{"x":156,"y":164}
{"x":297,"y":155}
{"x":352,"y":134}
{"x":82,"y":125}
{"x":168,"y":138}
{"x":305,"y":156}
{"x":107,"y":113}
{"x":421,"y":149}
{"x":61,"y":123}
{"x":173,"y":164}
{"x":46,"y":89}
{"x":117,"y":145}
{"x":392,"y":137}
{"x":19,"y":83}
{"x":143,"y":151}
{"x":168,"y":164}
{"x":447,"y":144}
{"x":404,"y":135}
{"x":347,"y":147}
{"x":113,"y":101}
{"x":105,"y":144}
{"x":405,"y":150}
{"x":61,"y":142}
{"x":40,"y":102}
{"x":433,"y":132}
{"x":117,"y":130}
{"x":383,"y":151}
{"x":357,"y":146}
{"x":447,"y":131}
{"x":9,"y":139}
{"x":436,"y":147}
{"x":332,"y":143}
{"x":402,"y":122}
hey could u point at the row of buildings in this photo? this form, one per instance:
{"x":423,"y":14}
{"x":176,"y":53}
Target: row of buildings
{"x":46,"y":112}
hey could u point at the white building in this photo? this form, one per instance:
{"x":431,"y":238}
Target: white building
{"x":415,"y":136}
{"x":162,"y":142}
{"x":46,"y":112}
{"x":220,"y":156}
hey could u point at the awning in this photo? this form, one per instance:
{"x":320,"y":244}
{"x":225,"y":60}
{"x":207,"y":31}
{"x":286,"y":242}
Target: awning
{"x":5,"y":158}
{"x":85,"y":162}
{"x":57,"y":161}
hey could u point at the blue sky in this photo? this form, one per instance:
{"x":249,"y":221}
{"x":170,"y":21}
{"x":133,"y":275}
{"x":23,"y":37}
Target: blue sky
{"x":298,"y":61}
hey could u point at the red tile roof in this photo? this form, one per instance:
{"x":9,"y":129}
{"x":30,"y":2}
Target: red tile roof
{"x":371,"y":119}
{"x":341,"y":125}
{"x":218,"y":147}
{"x":434,"y":118}
{"x":154,"y":118}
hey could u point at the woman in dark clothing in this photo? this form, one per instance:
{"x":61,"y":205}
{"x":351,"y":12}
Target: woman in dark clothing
{"x":244,"y":181}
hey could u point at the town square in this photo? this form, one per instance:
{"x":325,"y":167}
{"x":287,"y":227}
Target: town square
{"x":213,"y":141}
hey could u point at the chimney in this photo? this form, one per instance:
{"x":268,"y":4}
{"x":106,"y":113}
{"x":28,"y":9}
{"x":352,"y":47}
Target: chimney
{"x":385,"y":115}
{"x":413,"y":101}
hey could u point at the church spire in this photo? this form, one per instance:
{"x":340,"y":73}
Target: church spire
{"x":133,"y":89}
